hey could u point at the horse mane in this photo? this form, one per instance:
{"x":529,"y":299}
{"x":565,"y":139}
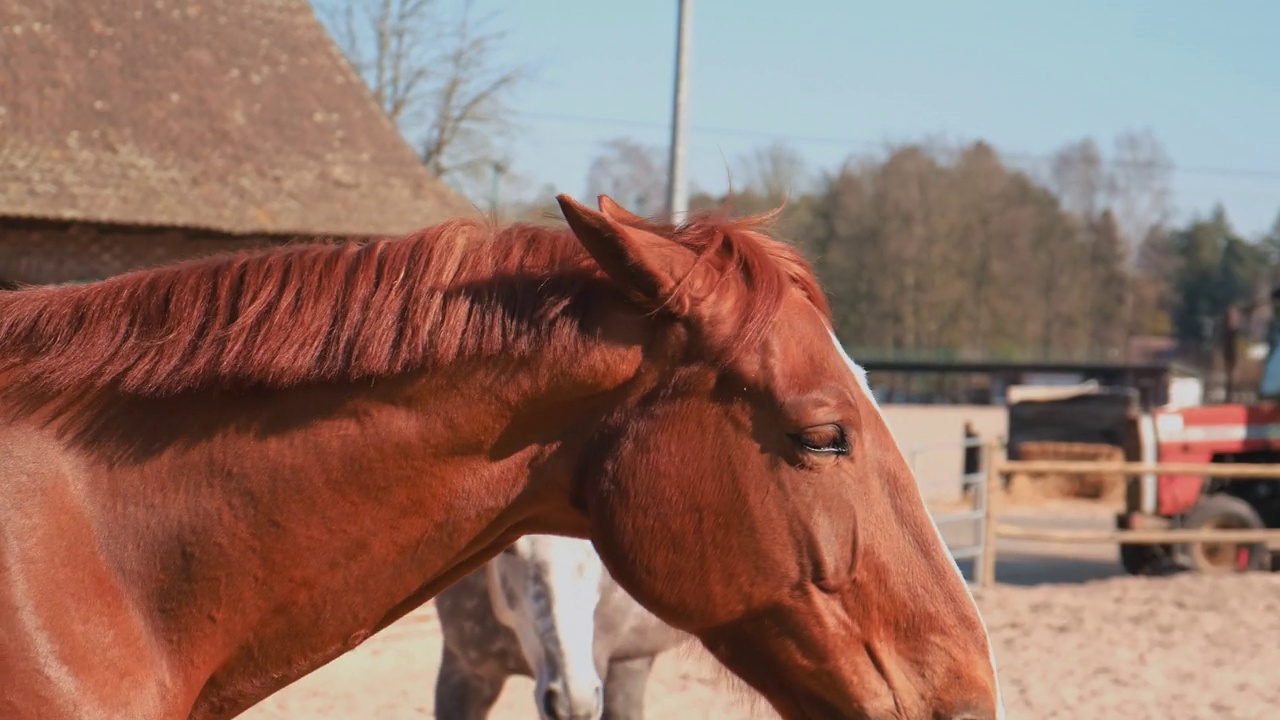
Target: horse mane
{"x":321,"y":312}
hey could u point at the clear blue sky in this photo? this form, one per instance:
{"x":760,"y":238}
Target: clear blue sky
{"x":838,"y":77}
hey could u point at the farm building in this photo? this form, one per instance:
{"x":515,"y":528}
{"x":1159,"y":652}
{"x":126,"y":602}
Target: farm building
{"x":136,"y":132}
{"x":985,"y":382}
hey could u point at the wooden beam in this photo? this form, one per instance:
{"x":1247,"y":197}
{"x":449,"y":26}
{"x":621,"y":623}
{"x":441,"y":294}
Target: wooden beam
{"x":1138,"y":537}
{"x":1226,"y":471}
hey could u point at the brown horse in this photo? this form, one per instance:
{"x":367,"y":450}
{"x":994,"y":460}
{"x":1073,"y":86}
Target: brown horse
{"x":218,"y":476}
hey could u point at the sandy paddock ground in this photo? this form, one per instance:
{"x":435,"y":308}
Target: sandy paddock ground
{"x":1187,"y":647}
{"x":1179,"y":648}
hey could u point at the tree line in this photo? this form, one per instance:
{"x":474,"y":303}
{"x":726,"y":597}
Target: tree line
{"x":930,"y":250}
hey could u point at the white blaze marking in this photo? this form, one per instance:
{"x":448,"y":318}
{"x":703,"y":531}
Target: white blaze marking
{"x":858,"y":372}
{"x":571,"y":573}
{"x":861,"y":375}
{"x":556,"y":584}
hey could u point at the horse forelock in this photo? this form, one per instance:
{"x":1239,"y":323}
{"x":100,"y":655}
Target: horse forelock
{"x":766,"y":270}
{"x":324,"y":312}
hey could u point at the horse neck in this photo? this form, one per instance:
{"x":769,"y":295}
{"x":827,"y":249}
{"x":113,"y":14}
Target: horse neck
{"x":323,"y":515}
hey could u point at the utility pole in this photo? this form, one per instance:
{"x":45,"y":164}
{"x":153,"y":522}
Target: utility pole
{"x":495,"y":189}
{"x":677,"y":190}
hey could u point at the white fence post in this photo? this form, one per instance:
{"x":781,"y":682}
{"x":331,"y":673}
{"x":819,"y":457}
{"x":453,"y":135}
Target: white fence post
{"x":979,"y":511}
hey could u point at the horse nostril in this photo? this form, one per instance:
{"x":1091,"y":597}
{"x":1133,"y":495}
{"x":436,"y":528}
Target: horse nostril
{"x":551,"y":703}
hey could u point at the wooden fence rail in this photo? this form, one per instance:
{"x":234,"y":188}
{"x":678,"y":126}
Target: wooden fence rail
{"x":1232,"y":471}
{"x":998,"y":468}
{"x":1138,"y":537}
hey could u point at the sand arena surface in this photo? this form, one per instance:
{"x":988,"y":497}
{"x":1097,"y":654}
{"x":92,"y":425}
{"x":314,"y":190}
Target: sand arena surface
{"x":1179,"y":648}
{"x":1188,"y":647}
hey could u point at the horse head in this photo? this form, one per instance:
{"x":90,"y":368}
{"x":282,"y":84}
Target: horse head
{"x":750,"y":493}
{"x":546,"y":588}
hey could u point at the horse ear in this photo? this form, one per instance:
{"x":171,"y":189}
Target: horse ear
{"x":610,"y":207}
{"x":647,"y":264}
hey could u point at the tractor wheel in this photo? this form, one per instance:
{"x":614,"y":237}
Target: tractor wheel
{"x":1143,"y":559}
{"x":1219,"y":511}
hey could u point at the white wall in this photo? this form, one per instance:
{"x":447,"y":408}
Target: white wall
{"x":940,"y":430}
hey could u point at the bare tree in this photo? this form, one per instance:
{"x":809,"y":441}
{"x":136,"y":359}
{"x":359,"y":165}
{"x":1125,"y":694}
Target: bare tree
{"x":1134,"y":183}
{"x":1141,"y":171}
{"x":434,"y":73}
{"x":1079,"y":178}
{"x":631,"y":173}
{"x":776,"y":171}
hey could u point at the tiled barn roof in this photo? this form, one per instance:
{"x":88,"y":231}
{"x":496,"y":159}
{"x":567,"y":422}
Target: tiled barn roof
{"x":239,"y":116}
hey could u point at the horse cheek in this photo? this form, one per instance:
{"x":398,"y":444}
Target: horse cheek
{"x":663,"y":514}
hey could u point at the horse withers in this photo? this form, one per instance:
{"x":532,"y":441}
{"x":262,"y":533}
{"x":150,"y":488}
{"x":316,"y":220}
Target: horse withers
{"x":546,"y":608}
{"x":217,"y":476}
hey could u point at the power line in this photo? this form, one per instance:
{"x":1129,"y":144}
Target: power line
{"x":1253,"y":173}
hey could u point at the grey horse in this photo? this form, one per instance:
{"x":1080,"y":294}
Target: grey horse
{"x":546,"y":608}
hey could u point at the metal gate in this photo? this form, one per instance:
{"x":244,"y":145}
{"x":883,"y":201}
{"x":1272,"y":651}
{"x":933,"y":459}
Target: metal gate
{"x":973,"y":485}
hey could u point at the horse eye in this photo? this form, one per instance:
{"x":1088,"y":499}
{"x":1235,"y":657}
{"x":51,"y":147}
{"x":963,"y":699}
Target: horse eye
{"x":823,"y":440}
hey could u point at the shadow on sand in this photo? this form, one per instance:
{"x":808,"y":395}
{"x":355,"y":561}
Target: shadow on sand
{"x":1025,"y":569}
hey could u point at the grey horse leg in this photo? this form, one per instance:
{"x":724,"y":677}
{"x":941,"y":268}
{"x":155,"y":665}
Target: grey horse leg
{"x":624,"y":688}
{"x":462,"y":695}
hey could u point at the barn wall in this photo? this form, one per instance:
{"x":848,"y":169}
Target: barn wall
{"x":939,"y":430}
{"x":40,"y":253}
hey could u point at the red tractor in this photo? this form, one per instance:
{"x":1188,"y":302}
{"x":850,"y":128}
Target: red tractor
{"x":1224,"y":433}
{"x":1227,"y":433}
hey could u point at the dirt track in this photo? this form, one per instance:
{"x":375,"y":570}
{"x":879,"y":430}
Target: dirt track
{"x":1180,"y":648}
